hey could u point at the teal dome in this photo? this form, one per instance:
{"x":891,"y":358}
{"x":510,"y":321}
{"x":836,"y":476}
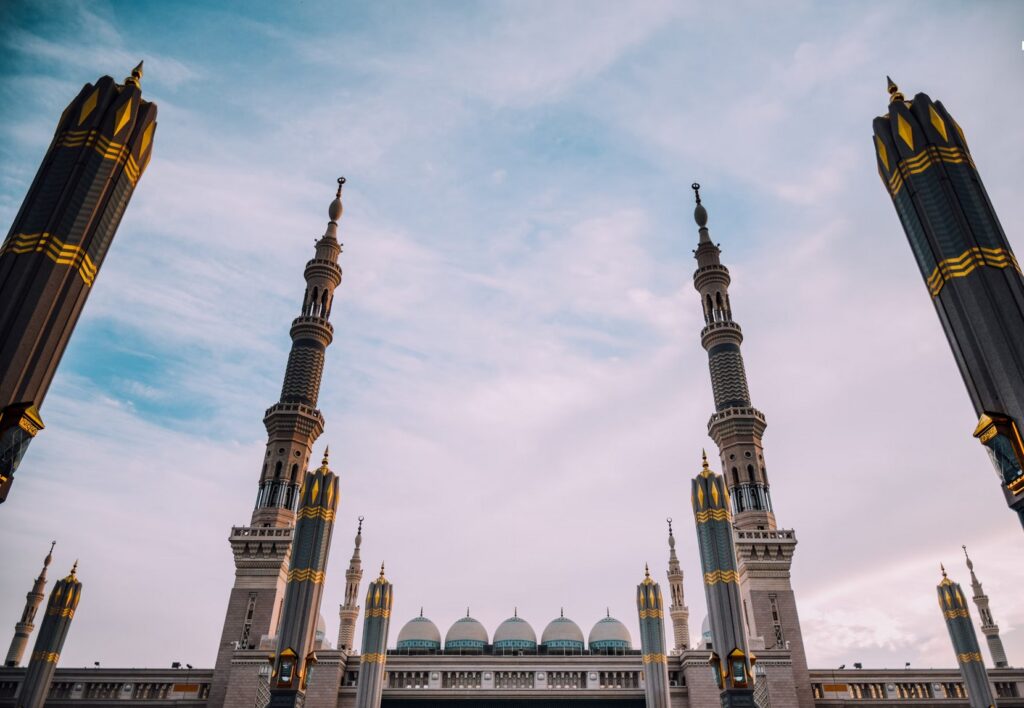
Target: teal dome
{"x":466,"y":633}
{"x":515,"y":633}
{"x":419,"y":633}
{"x":609,"y":634}
{"x":562,"y":633}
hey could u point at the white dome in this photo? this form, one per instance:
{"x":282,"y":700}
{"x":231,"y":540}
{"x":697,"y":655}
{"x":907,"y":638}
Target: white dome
{"x":466,"y":633}
{"x":609,"y":633}
{"x":419,"y":633}
{"x":562,"y":633}
{"x":515,"y":633}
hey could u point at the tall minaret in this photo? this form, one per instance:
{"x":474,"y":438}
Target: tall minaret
{"x":731,"y":661}
{"x":965,"y":643}
{"x":967,"y":265}
{"x":60,"y":610}
{"x":261,"y":550}
{"x":679,"y":612}
{"x":311,"y":549}
{"x":379,"y":599}
{"x":764,"y":552}
{"x":988,"y":625}
{"x":23,"y":629}
{"x":349,"y":610}
{"x":651,"y":607}
{"x":58,"y":242}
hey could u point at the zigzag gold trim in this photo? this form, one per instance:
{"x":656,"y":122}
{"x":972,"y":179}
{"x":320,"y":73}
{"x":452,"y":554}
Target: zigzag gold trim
{"x":108,"y":149}
{"x":966,"y":262}
{"x":378,"y":613}
{"x":655,"y":614}
{"x":720,"y":576}
{"x":931,"y":155}
{"x":712,"y":515}
{"x":306,"y":575}
{"x":373,"y":658}
{"x":49,"y":657}
{"x":315,"y":512}
{"x":953,"y":614}
{"x":969,"y":657}
{"x":655,"y":659}
{"x":56,"y":250}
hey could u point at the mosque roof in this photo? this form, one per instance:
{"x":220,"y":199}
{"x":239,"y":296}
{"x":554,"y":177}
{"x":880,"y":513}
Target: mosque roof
{"x":466,"y":629}
{"x":419,"y":632}
{"x":515,"y":631}
{"x":561,"y":630}
{"x":609,"y":629}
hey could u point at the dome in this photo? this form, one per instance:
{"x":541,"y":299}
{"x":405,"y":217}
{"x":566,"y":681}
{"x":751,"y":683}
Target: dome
{"x":466,"y":633}
{"x":515,"y":633}
{"x":609,"y":633}
{"x":562,"y":633}
{"x":419,"y":633}
{"x":320,"y":635}
{"x":705,"y":633}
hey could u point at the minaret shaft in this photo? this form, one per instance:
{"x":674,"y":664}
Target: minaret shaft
{"x":379,"y":600}
{"x":678,"y":611}
{"x":988,"y":625}
{"x":60,"y":610}
{"x":23,"y":629}
{"x":262,"y":550}
{"x":965,"y":642}
{"x":348,"y":612}
{"x":651,"y":607}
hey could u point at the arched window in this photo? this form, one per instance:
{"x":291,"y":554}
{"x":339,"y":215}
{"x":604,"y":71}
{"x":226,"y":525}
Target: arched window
{"x":295,"y":473}
{"x":709,"y":308}
{"x":305,"y":302}
{"x":735,"y":477}
{"x":313,"y":303}
{"x":750,"y":472}
{"x":277,"y":470}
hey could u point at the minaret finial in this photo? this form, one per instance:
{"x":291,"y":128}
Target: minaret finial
{"x":135,"y":78}
{"x":705,"y":469}
{"x":381,"y":572}
{"x":894,"y":91}
{"x":608,"y":612}
{"x":669,"y":520}
{"x":561,"y":612}
{"x":970,"y":565}
{"x":421,"y":610}
{"x":359,"y":531}
{"x":74,"y":569}
{"x":334,"y":212}
{"x":515,"y":612}
{"x":327,"y":455}
{"x":49,"y":556}
{"x":943,"y":569}
{"x":700,"y":214}
{"x":647,"y":571}
{"x":467,"y":612}
{"x":696,"y":191}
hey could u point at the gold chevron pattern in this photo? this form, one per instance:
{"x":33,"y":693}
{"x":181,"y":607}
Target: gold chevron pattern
{"x":56,"y":250}
{"x":953,"y":614}
{"x":720,"y":576}
{"x":315,"y":512}
{"x":653,"y":613}
{"x":966,"y":262}
{"x":931,"y":155}
{"x":712,"y":515}
{"x":306,"y":575}
{"x":372,"y":658}
{"x":655,"y":659}
{"x":107,"y":148}
{"x":968,"y":657}
{"x":49,"y":657}
{"x":382,"y":612}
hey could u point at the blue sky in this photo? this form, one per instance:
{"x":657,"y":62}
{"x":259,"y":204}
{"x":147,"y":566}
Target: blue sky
{"x":516,"y":397}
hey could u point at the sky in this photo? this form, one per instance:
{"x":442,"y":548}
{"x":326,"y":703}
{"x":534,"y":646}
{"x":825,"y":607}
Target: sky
{"x":516,"y":397}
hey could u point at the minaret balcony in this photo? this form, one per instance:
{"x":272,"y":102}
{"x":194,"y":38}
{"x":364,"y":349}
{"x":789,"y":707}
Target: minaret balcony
{"x":323,"y":268}
{"x":718,"y":332}
{"x":714,"y":273}
{"x":737,"y":421}
{"x":312,"y":327}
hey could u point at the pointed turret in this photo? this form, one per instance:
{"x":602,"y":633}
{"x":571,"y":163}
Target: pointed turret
{"x":348,"y":612}
{"x":58,"y":242}
{"x":379,"y":600}
{"x":23,"y":629}
{"x":60,"y":610}
{"x":678,"y":611}
{"x":965,"y":642}
{"x":988,"y":625}
{"x":651,"y":608}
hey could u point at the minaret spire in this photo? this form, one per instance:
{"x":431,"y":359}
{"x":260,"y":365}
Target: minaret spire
{"x":349,"y":610}
{"x":678,"y":611}
{"x":965,"y":642}
{"x":23,"y":629}
{"x":262,"y":549}
{"x":60,"y":610}
{"x":988,"y":625}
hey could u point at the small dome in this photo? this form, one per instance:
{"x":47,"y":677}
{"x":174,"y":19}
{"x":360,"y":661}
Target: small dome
{"x":562,"y":633}
{"x":609,"y":633}
{"x":466,"y":633}
{"x":705,"y":633}
{"x":515,"y":633}
{"x":419,"y":633}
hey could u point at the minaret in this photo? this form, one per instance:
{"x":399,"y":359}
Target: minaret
{"x":293,"y":424}
{"x":764,"y":552}
{"x":732,"y":661}
{"x":967,"y":265}
{"x":965,"y":643}
{"x":60,"y":610}
{"x":349,"y":610}
{"x":23,"y":629}
{"x":678,"y":611}
{"x":311,"y":549}
{"x":57,"y":243}
{"x":651,"y":607}
{"x":988,"y":625}
{"x":379,"y":599}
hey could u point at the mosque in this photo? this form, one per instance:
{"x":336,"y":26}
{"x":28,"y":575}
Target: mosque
{"x":273,"y":650}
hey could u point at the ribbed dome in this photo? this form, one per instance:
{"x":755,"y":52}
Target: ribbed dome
{"x":515,"y":633}
{"x":562,"y":633}
{"x":419,"y":633}
{"x":609,"y":633}
{"x":466,"y":633}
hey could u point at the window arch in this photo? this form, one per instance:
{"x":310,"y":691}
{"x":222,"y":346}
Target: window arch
{"x":277,"y":470}
{"x":750,"y":472}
